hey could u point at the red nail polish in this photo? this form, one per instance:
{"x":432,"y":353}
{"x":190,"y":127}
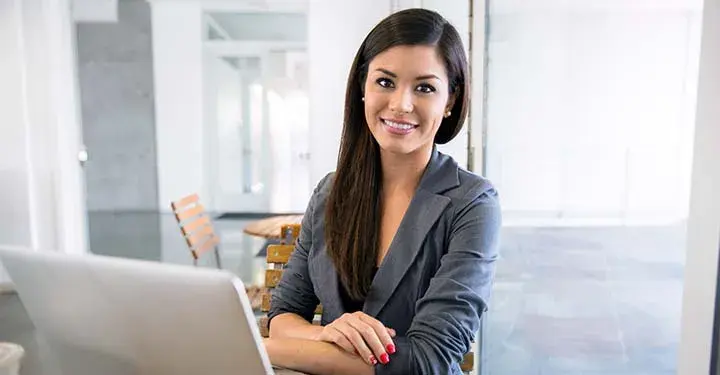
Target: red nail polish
{"x":373,"y":360}
{"x":384,"y":358}
{"x":390,"y":348}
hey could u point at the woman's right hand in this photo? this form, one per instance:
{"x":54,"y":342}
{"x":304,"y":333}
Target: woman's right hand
{"x":361,"y":334}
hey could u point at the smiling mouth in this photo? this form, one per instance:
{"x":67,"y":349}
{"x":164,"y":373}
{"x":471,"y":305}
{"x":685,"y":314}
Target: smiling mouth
{"x":400,"y":126}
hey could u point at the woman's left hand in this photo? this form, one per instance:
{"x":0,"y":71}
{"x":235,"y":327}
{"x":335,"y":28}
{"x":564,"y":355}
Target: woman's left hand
{"x":361,"y":334}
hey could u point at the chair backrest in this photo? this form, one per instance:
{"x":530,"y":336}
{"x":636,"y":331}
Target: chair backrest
{"x":277,"y":257}
{"x":289,"y":233}
{"x":196,"y":227}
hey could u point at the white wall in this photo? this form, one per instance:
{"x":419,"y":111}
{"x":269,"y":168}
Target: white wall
{"x":590,"y":112}
{"x":703,"y":233}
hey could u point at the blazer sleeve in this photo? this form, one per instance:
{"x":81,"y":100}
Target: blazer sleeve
{"x":447,"y":317}
{"x":294,"y":293}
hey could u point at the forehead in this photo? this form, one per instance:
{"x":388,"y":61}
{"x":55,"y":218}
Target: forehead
{"x":410,"y":60}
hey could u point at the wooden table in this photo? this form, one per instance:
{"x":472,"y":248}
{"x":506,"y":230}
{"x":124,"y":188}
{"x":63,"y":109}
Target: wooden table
{"x":270,"y":228}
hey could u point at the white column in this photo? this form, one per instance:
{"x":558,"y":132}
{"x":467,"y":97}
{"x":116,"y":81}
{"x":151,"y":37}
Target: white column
{"x":15,"y":228}
{"x":42,"y":190}
{"x":703,"y":233}
{"x":65,"y":124}
{"x":39,"y":51}
{"x":477,"y":80}
{"x":178,"y":66}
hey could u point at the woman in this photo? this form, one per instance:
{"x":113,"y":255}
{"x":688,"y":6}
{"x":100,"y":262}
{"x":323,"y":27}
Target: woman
{"x":399,"y":244}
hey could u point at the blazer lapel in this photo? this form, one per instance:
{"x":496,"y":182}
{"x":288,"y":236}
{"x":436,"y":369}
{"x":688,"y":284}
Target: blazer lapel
{"x":425,"y":209}
{"x":327,"y":289}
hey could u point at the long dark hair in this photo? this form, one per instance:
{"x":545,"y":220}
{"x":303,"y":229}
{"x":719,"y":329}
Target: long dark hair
{"x":352,"y":217}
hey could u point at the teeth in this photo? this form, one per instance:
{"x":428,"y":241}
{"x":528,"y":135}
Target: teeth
{"x":398,"y":126}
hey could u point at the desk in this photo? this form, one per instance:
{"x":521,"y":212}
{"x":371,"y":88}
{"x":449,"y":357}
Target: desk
{"x":270,"y":228}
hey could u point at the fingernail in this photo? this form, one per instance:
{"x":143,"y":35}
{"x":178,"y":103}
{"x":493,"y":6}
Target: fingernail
{"x":384,"y":358}
{"x":390,"y":348}
{"x":373,"y":361}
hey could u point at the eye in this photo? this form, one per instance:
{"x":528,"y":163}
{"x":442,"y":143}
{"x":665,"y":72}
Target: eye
{"x":425,"y":88}
{"x":384,"y":82}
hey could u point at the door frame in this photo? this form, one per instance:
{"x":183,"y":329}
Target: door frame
{"x":245,"y":203}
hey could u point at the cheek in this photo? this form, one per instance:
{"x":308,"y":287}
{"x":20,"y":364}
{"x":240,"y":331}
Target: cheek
{"x":372,"y":106}
{"x":371,"y":113}
{"x":435,"y":114}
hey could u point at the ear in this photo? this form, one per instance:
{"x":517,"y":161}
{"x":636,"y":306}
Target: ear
{"x":451,"y":102}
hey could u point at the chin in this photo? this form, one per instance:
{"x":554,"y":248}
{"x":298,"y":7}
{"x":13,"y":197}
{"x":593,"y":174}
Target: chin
{"x":395,"y":147}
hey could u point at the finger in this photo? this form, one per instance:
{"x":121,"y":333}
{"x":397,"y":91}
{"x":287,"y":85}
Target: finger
{"x":392,"y":332}
{"x":339,"y":339}
{"x":371,"y":338}
{"x":382,"y":333}
{"x":359,"y":343}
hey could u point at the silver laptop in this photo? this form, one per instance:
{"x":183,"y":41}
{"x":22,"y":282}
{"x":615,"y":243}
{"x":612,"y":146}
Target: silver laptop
{"x":102,"y":315}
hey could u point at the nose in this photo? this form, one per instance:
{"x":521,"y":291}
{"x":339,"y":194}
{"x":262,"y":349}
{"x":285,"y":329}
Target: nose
{"x":401,"y":101}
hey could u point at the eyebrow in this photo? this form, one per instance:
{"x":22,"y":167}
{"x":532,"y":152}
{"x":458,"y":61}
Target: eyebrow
{"x":391,"y":74}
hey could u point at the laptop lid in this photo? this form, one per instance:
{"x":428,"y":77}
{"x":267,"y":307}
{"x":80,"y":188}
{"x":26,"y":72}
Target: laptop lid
{"x":103,"y":315}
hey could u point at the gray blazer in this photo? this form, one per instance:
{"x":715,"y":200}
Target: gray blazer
{"x":435,"y":281}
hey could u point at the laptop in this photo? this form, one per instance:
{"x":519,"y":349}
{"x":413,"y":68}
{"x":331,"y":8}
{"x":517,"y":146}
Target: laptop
{"x":103,"y":315}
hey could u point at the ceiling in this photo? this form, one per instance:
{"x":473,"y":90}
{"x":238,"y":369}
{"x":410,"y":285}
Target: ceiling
{"x":260,"y":26}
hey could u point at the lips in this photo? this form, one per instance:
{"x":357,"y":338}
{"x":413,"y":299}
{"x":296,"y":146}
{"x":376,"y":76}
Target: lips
{"x":399,"y":128}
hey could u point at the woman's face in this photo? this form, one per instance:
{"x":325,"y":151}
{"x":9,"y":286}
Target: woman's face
{"x":406,"y":98}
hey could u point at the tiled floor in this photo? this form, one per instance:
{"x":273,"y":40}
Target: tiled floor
{"x":586,"y":301}
{"x":581,"y":301}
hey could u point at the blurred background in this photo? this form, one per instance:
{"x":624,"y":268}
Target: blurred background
{"x":583,"y":115}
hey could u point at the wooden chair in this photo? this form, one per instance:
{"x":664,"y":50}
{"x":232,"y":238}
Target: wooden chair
{"x":196,"y":228}
{"x":289,"y":233}
{"x":277,"y":258}
{"x":200,"y":236}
